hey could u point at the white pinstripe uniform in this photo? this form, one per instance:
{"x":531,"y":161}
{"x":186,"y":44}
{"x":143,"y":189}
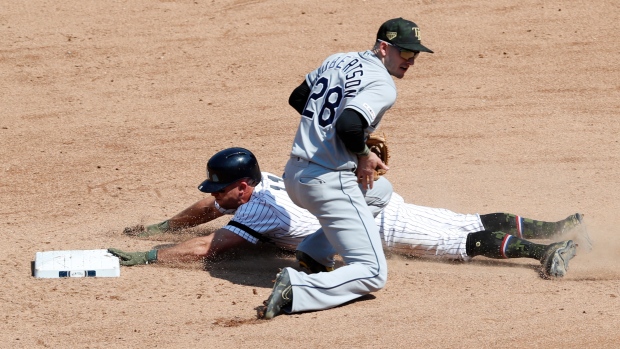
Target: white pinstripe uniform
{"x":271,"y":216}
{"x":426,"y":231}
{"x":414,"y":230}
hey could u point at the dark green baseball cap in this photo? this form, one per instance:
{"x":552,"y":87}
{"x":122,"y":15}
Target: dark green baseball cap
{"x":402,"y":33}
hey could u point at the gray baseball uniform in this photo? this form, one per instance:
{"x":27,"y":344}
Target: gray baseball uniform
{"x":355,"y":80}
{"x":320,"y":178}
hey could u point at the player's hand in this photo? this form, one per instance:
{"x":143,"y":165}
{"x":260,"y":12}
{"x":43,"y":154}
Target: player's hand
{"x":366,"y":166}
{"x":134,"y":258}
{"x":142,"y":231}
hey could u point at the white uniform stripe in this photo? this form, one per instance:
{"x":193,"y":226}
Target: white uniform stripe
{"x":519,"y":226}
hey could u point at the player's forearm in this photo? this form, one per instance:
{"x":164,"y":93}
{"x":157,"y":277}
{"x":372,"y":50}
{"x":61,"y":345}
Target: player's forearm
{"x":208,"y":247}
{"x":188,"y":251}
{"x":191,"y":250}
{"x":202,"y":211}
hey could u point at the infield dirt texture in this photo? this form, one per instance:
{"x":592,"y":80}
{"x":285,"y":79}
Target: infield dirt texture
{"x":110,"y":110}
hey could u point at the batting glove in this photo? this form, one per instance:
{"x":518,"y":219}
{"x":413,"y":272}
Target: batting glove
{"x":134,"y":258}
{"x":142,"y":231}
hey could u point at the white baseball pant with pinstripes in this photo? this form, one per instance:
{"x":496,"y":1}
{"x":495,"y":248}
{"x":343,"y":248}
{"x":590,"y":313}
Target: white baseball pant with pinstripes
{"x":426,"y":231}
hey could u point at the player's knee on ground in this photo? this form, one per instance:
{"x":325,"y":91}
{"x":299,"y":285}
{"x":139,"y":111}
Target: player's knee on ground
{"x":379,"y":274}
{"x":379,"y":281}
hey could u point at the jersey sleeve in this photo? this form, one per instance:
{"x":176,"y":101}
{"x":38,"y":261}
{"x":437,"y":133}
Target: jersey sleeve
{"x":253,"y":220}
{"x":374,"y":101}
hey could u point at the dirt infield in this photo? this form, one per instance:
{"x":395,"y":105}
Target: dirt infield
{"x":110,"y":110}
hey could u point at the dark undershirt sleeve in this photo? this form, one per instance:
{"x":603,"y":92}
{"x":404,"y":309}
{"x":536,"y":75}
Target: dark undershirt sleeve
{"x":350,"y":128}
{"x":299,"y":96}
{"x":249,"y":231}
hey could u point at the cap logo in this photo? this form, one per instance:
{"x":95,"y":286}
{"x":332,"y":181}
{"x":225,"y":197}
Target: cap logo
{"x":390,"y":35}
{"x":416,"y":33}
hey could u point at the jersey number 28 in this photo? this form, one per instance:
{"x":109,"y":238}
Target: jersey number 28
{"x":330,"y":101}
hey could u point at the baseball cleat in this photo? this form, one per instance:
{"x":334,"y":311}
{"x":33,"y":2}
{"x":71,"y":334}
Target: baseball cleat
{"x":571,"y":222}
{"x":310,"y":265}
{"x":556,"y":258}
{"x":582,"y":238}
{"x":281,"y":296}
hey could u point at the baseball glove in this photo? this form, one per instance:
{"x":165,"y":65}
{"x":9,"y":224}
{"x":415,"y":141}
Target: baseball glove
{"x":378,"y":145}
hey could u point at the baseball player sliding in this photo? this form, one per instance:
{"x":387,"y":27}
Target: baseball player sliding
{"x":263,"y":212}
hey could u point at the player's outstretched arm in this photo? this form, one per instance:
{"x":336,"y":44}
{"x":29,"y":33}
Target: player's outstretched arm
{"x":203,"y":247}
{"x":201,"y":212}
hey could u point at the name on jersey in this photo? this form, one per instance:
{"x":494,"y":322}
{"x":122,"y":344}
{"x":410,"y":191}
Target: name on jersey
{"x":352,"y":72}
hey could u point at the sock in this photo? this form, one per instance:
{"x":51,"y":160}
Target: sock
{"x":500,"y":245}
{"x":526,"y":228}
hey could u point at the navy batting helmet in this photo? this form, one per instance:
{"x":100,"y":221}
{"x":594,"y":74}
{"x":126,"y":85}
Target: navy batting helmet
{"x":230,"y":165}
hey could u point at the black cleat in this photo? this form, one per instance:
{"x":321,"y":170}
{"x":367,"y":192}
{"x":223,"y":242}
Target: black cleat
{"x":310,"y":265}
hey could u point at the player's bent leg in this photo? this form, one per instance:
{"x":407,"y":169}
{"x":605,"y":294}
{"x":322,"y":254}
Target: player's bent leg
{"x":379,"y":196}
{"x":336,"y":200}
{"x":355,"y":237}
{"x":318,"y":254}
{"x":367,"y":258}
